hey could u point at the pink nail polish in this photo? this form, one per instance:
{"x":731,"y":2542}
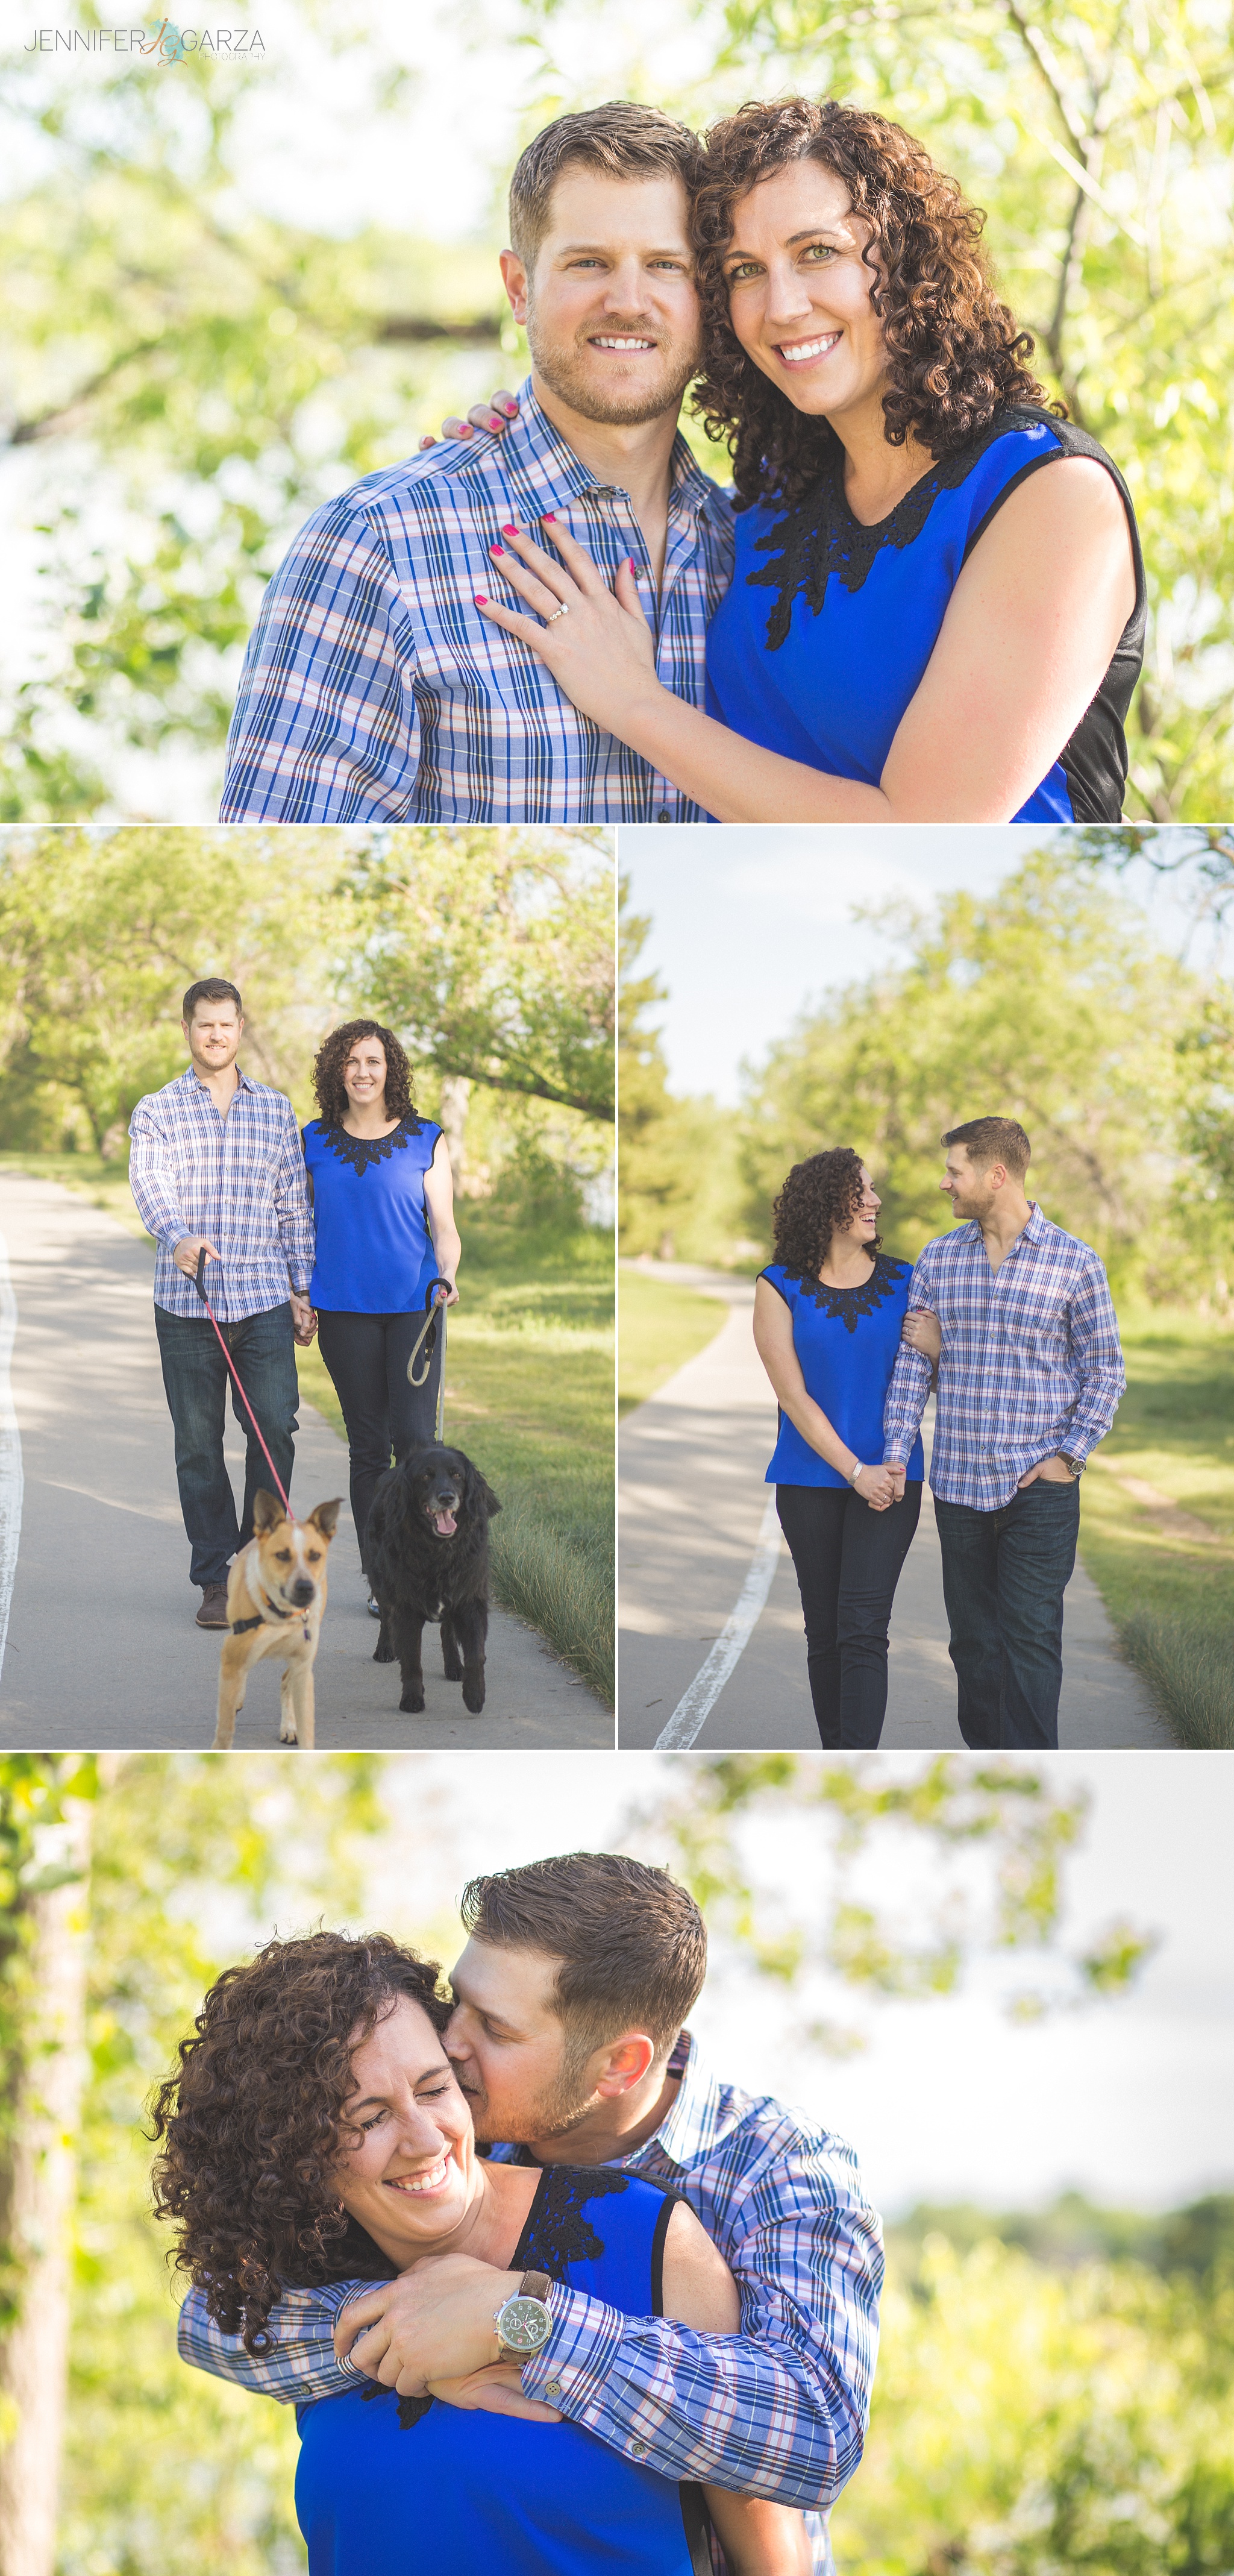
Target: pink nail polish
{"x":497,"y":550}
{"x":509,"y":532}
{"x":480,"y":600}
{"x":549,"y":518}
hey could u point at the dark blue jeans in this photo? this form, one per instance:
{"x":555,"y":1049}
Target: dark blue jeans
{"x":196,"y":1378}
{"x":1004,"y":1576}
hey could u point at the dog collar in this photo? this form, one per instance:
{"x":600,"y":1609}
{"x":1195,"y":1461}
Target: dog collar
{"x":238,"y":1626}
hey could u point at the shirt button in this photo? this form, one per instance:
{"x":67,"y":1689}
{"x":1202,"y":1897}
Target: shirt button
{"x":552,"y":2388}
{"x":664,"y":815}
{"x":638,"y":2450}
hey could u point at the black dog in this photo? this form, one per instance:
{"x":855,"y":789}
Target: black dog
{"x":427,"y":1550}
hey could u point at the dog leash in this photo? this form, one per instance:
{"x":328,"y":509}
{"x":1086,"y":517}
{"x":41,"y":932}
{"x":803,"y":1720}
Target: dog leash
{"x":201,"y":1263}
{"x":428,"y":1334}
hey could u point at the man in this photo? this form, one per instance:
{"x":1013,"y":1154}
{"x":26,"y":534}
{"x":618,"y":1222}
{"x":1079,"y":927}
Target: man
{"x":567,"y":2039}
{"x":216,"y":1167}
{"x":374,"y":690}
{"x":1030,"y":1375}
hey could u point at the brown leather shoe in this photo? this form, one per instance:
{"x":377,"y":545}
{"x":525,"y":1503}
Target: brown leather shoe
{"x":213,"y":1611}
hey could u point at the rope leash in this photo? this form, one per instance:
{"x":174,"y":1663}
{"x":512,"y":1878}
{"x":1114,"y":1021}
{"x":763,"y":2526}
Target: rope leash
{"x":428,"y":1333}
{"x":201,"y":1263}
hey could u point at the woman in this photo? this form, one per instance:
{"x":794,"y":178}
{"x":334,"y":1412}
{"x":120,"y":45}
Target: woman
{"x":315,"y":2133}
{"x":828,"y":1316}
{"x":924,"y":625}
{"x":383,"y":1205}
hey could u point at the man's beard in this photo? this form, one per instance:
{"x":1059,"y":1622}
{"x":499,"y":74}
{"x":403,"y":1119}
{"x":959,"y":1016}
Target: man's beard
{"x":562,"y":370}
{"x":563,"y":2108}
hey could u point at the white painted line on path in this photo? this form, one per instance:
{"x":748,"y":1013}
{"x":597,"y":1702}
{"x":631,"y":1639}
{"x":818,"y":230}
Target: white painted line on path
{"x":10,"y":1450}
{"x":695,"y":1706}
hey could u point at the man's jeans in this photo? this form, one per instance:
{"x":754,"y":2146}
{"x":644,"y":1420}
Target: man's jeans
{"x":196,"y":1377}
{"x":1004,"y":1576}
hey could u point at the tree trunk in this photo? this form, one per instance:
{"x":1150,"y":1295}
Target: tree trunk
{"x":41,"y":2181}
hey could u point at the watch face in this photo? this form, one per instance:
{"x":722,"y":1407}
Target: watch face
{"x":524,"y":2324}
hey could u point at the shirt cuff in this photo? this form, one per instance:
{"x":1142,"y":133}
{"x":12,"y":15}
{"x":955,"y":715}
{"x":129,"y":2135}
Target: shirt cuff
{"x":575,"y":2362}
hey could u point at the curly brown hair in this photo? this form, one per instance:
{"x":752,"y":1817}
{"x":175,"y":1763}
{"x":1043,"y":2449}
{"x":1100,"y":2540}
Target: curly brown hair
{"x":331,"y":1057}
{"x":818,"y":1196}
{"x":253,"y":2126}
{"x":955,"y":353}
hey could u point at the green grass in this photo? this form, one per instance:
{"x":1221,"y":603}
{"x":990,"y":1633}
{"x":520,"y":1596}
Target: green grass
{"x":529,"y":1395}
{"x":662,"y":1325}
{"x":1172,"y":1601}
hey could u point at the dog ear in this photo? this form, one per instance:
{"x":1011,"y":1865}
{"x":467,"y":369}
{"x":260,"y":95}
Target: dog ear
{"x":266,"y":1512}
{"x":479,"y":1494}
{"x":325,"y":1518}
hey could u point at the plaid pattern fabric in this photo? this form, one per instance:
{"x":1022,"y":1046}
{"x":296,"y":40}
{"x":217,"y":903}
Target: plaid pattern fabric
{"x":782,"y":2411}
{"x":238,"y":1180}
{"x":1031,"y":1362}
{"x":374,"y":690}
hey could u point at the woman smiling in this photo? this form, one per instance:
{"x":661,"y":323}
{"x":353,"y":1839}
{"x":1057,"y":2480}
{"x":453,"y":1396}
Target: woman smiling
{"x":315,"y":2133}
{"x":924,"y":623}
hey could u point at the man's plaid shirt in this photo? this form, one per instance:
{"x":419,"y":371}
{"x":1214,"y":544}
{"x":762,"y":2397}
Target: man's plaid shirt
{"x":238,"y":1180}
{"x":779,"y":2411}
{"x":1031,"y":1362}
{"x":375,"y":691}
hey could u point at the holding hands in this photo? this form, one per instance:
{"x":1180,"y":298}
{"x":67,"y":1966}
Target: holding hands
{"x":877,"y":1486}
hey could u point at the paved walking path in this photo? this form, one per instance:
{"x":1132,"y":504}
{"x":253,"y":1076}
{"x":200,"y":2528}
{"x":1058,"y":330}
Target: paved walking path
{"x":691,"y":1508}
{"x":102,"y":1647}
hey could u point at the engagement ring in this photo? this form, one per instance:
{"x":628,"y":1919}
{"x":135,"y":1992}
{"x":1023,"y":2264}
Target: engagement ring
{"x":563,"y":611}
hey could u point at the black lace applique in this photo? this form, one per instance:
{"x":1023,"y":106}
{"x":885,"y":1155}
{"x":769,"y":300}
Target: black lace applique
{"x":849,"y":1304}
{"x":557,"y":2234}
{"x":411,"y":2410}
{"x":820,"y":536}
{"x":363,"y":1151}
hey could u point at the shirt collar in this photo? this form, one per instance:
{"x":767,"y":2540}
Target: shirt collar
{"x":191,"y":1075}
{"x":696,"y":2118}
{"x":536,"y":455}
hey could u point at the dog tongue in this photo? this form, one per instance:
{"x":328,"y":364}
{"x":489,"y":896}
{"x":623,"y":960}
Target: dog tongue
{"x":445,"y":1524}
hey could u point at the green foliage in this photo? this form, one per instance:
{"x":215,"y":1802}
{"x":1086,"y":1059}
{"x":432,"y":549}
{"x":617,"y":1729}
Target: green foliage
{"x":169,"y":2473}
{"x":219,"y":372}
{"x":662,"y":1325}
{"x":1028,"y":2420}
{"x":719,"y":1809}
{"x":677,"y":1178}
{"x":1046,"y":1001}
{"x":34,"y":1792}
{"x":493,"y":949}
{"x":490,"y":952}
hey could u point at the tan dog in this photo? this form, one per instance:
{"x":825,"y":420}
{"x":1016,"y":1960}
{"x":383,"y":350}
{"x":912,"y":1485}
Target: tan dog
{"x":276,"y":1593}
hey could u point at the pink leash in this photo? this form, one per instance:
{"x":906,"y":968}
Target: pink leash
{"x":201,"y":1263}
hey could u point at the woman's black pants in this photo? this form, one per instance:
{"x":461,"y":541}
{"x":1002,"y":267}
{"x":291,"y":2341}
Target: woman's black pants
{"x":848,"y":1561}
{"x":367,"y":1356}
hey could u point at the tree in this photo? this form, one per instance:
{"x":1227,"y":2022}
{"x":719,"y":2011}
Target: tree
{"x":1098,"y":138}
{"x":1046,"y":1001}
{"x":676,"y":1174}
{"x":45,"y":1815}
{"x":213,"y":372}
{"x":974,"y":1853}
{"x":493,"y":951}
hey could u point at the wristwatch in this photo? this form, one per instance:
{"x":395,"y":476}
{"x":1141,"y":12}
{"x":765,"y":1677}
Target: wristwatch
{"x":1076,"y":1465}
{"x":524,"y":2324}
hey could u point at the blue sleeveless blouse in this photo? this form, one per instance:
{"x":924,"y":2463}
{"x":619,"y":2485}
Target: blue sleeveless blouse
{"x":374,"y":1250}
{"x":846,"y":1340}
{"x":824,"y":669}
{"x":391,"y":2486}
